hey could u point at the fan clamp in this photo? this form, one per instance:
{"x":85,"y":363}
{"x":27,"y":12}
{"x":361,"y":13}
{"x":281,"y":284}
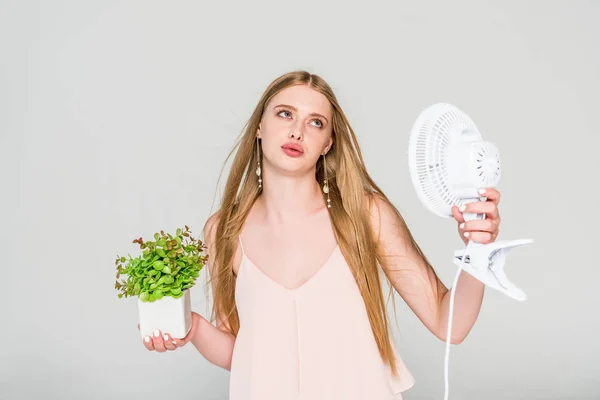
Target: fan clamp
{"x":485,"y":262}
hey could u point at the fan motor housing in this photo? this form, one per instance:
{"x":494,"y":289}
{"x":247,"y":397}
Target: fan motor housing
{"x":475,"y":165}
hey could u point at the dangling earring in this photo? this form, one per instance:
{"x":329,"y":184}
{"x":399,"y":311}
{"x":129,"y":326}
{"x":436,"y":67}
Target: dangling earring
{"x":258,"y":170}
{"x":325,"y":184}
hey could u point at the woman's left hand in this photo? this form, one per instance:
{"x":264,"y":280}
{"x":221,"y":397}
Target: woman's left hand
{"x":480,"y":231}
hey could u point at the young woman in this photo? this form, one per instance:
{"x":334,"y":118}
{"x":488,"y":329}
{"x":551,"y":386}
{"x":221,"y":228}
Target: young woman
{"x":298,"y":252}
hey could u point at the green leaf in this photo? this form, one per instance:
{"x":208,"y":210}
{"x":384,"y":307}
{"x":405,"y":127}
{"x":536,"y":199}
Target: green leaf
{"x":158,"y":265}
{"x":161,"y":243}
{"x":178,"y":231}
{"x":175,"y":291}
{"x":166,"y":270}
{"x":168,"y":279}
{"x":161,"y":252}
{"x":156,"y":237}
{"x":144,"y":296}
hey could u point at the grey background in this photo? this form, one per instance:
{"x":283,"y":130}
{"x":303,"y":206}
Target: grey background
{"x":116,"y":117}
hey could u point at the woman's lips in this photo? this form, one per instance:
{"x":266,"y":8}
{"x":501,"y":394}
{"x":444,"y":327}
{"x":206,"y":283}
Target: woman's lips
{"x":292,"y":152}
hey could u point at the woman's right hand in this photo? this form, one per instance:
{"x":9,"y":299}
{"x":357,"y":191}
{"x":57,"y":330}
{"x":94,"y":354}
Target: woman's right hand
{"x":162,"y":342}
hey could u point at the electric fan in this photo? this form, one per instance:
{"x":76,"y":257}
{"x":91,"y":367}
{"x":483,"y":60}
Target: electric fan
{"x":449,"y":162}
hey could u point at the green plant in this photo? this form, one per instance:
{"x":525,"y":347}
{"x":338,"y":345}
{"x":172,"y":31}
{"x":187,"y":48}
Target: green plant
{"x":167,"y":266}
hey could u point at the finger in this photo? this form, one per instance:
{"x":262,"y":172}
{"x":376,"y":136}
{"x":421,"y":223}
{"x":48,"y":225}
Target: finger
{"x":169,"y":342}
{"x":485,"y":225}
{"x":159,"y":345}
{"x":148,"y":343}
{"x":481,"y":207}
{"x":480,"y":237}
{"x":458,"y":216}
{"x":492,"y":194}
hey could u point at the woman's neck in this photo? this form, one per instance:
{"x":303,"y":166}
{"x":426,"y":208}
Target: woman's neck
{"x":288,"y":198}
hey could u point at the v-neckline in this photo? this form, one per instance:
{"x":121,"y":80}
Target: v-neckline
{"x":285,"y":288}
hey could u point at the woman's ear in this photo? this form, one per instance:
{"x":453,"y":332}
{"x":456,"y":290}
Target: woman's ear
{"x":328,"y":147}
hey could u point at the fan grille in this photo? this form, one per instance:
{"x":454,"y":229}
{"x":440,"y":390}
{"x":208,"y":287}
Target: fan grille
{"x":433,"y":132}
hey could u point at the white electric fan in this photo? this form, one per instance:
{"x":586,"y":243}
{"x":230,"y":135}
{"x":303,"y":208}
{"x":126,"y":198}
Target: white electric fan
{"x":449,"y":162}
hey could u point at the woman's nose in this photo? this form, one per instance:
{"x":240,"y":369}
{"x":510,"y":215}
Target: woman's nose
{"x":296,"y":131}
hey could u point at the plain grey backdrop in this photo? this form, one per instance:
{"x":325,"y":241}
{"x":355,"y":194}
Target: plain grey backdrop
{"x":116,"y":118}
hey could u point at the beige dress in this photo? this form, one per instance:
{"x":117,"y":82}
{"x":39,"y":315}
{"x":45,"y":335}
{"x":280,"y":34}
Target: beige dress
{"x":311,"y":343}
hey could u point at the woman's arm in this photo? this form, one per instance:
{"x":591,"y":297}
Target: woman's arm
{"x":417,"y":284}
{"x":215,"y":343}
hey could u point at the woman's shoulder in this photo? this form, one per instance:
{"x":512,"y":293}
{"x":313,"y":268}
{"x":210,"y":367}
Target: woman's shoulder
{"x":210,"y":234}
{"x":383,"y":214}
{"x":210,"y":228}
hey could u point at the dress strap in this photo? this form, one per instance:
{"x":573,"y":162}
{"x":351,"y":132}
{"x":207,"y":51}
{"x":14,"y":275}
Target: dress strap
{"x":241,"y":244}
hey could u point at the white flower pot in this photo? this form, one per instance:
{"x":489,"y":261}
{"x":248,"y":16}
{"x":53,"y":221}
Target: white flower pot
{"x":169,"y":315}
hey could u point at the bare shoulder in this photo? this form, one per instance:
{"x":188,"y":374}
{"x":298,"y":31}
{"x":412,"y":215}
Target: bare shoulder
{"x":385,"y":219}
{"x":210,"y":227}
{"x":210,"y":232}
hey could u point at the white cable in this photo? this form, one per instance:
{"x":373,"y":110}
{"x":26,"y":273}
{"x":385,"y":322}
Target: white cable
{"x":450,"y":316}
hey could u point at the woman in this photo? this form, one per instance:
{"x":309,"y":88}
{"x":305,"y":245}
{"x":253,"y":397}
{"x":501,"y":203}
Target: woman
{"x":295,"y":254}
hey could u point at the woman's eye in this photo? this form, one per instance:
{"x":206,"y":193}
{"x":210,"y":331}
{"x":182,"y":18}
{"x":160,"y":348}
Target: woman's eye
{"x":287,"y":114}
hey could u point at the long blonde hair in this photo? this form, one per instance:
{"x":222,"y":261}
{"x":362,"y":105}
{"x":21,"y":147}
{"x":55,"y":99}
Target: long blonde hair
{"x":351,"y":190}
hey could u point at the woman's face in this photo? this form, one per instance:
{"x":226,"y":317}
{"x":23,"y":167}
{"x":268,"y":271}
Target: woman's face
{"x":297,"y":117}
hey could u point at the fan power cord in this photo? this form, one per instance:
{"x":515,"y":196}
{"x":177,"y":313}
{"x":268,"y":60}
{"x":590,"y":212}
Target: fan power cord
{"x":450,"y":316}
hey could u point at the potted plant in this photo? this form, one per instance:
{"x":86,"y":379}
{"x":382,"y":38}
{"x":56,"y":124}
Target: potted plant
{"x":160,"y":277}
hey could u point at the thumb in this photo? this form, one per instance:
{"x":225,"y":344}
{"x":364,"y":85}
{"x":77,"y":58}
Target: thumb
{"x":458,"y":216}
